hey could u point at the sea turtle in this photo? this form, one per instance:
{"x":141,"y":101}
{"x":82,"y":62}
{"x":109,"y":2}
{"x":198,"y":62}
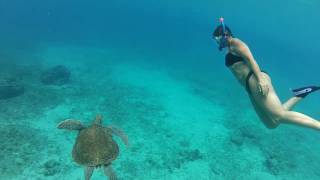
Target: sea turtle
{"x":94,"y":146}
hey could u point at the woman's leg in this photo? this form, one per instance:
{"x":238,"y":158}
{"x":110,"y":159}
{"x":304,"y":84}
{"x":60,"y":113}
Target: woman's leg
{"x":290,"y":103}
{"x":277,"y":113}
{"x":292,"y":117}
{"x":262,"y":115}
{"x":299,"y":93}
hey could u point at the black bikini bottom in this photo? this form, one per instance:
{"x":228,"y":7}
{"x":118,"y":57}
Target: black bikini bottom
{"x":247,"y":81}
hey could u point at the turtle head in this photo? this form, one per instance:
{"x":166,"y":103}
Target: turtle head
{"x":98,"y":119}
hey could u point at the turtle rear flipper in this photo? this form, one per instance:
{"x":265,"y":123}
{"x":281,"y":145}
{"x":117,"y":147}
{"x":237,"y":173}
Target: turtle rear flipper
{"x":88,"y":172}
{"x":118,"y":132}
{"x":70,"y":124}
{"x":108,"y":171}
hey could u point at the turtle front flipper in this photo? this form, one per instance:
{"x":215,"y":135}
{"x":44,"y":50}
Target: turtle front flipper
{"x":108,"y":171}
{"x":88,"y":172}
{"x":70,"y":124}
{"x":118,"y":132}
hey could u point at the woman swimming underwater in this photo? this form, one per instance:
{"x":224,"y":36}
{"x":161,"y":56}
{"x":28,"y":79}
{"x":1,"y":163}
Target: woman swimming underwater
{"x":258,"y":84}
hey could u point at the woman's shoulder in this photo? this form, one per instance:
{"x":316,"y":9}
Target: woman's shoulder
{"x":236,"y":41}
{"x":238,"y":44}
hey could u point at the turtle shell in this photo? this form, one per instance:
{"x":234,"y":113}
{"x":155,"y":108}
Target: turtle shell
{"x":94,"y":146}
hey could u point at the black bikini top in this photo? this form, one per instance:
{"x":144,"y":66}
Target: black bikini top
{"x":231,"y":59}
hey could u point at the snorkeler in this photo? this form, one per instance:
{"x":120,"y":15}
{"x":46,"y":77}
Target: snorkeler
{"x":258,"y":84}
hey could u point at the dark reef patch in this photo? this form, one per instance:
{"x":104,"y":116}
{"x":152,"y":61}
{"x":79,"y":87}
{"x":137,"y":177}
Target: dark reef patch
{"x":244,"y":135}
{"x":279,"y":161}
{"x":57,"y":75}
{"x":180,"y":157}
{"x":10,"y":87}
{"x":51,"y":167}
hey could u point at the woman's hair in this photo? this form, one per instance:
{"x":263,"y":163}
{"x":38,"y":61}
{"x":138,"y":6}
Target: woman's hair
{"x":219,"y":31}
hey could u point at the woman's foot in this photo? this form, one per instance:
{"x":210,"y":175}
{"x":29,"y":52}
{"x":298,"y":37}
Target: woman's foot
{"x":304,"y":91}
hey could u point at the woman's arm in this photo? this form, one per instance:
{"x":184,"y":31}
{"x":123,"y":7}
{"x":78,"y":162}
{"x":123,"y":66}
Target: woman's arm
{"x":243,"y":50}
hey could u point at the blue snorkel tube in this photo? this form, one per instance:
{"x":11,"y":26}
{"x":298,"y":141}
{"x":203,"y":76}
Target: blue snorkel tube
{"x":223,"y":26}
{"x":224,"y":42}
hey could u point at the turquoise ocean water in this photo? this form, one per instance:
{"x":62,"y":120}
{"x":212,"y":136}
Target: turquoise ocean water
{"x":152,"y":69}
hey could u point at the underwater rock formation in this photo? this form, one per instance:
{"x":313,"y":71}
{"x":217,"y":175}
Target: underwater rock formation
{"x":10,"y":87}
{"x":57,"y":75}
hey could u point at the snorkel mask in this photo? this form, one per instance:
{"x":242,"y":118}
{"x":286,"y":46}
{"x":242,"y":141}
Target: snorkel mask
{"x":224,"y":39}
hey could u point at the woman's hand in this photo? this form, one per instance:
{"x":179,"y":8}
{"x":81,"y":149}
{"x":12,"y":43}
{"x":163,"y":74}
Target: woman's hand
{"x":263,"y":87}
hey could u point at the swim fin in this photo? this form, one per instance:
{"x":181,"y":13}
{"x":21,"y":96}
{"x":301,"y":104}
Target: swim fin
{"x":304,"y":91}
